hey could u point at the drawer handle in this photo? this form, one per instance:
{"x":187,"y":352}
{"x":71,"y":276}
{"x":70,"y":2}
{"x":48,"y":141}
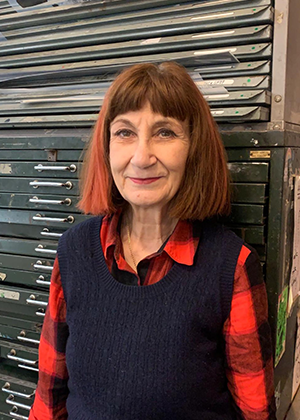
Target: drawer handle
{"x":46,"y":232}
{"x":37,"y":184}
{"x":39,"y":266}
{"x":14,"y":414}
{"x":6,"y":388}
{"x":41,"y":280}
{"x":41,"y":168}
{"x":40,"y":248}
{"x":12,"y":356}
{"x":40,"y":312}
{"x":40,"y":218}
{"x":31,"y":301}
{"x":22,"y":337}
{"x":66,"y":201}
{"x":28,"y":367}
{"x":10,"y":400}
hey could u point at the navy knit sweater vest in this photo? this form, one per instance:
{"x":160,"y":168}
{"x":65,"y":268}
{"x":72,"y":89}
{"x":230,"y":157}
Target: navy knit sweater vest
{"x":147,"y":352}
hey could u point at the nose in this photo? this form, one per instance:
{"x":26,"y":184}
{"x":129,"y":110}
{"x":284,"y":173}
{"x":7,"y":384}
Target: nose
{"x":143,"y":155}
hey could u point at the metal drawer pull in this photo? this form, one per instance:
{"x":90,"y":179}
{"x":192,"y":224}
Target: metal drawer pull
{"x":6,"y":388}
{"x":41,"y":280}
{"x":14,"y":414}
{"x":20,"y":359}
{"x":40,"y":312}
{"x":66,"y":201}
{"x":31,"y":301}
{"x":39,"y":266}
{"x":41,"y":168}
{"x":46,"y":232}
{"x":40,"y":248}
{"x":22,"y":337}
{"x":10,"y":400}
{"x":40,"y":218}
{"x":37,"y":184}
{"x":28,"y":367}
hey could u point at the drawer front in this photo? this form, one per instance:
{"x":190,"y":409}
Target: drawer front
{"x":27,"y":303}
{"x":21,"y":336}
{"x":21,"y":356}
{"x":38,"y":185}
{"x":254,"y":235}
{"x":41,"y":155}
{"x":248,"y":214}
{"x":27,"y":312}
{"x":11,"y":275}
{"x":40,"y":169}
{"x":39,"y":202}
{"x":249,"y":171}
{"x":38,"y":264}
{"x":42,"y":219}
{"x":249,"y":193}
{"x":42,"y":248}
{"x":32,"y":232}
{"x":28,"y":297}
{"x":21,"y":324}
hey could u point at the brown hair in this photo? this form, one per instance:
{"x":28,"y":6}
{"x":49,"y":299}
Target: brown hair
{"x":204,"y":190}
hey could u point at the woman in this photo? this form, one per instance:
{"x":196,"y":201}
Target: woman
{"x":156,"y":311}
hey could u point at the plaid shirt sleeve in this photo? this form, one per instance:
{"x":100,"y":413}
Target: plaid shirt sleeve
{"x":52,"y":390}
{"x":248,"y":342}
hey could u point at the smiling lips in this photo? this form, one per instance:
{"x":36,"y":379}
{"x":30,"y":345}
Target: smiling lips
{"x":144,"y":180}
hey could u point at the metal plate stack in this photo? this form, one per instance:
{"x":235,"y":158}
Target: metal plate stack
{"x":57,"y":60}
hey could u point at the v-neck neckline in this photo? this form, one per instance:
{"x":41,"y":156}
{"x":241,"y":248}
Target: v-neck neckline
{"x":176,"y":273}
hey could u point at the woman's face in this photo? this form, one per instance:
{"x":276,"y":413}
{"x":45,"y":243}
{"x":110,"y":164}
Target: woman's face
{"x":148,"y":153}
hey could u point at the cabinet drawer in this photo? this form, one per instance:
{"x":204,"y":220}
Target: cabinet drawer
{"x":11,"y":275}
{"x":42,"y":219}
{"x":29,"y":313}
{"x":248,"y":214}
{"x":249,"y":193}
{"x":38,"y":264}
{"x":19,"y":335}
{"x":41,"y":155}
{"x":23,"y":303}
{"x":21,"y":324}
{"x":21,"y":356}
{"x":39,"y":202}
{"x":32,"y":232}
{"x":40,"y":248}
{"x":38,"y":185}
{"x":249,"y":171}
{"x":253,"y":235}
{"x":40,"y":169}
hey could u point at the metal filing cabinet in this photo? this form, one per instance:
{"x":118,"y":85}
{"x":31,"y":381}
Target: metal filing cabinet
{"x":56,"y":64}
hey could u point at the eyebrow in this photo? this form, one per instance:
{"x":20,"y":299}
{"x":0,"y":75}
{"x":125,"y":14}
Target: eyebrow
{"x":157,"y":124}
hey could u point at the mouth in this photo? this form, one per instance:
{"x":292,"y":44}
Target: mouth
{"x":144,"y":180}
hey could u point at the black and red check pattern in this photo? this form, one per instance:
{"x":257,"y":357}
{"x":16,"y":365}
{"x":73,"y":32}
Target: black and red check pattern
{"x":246,"y":331}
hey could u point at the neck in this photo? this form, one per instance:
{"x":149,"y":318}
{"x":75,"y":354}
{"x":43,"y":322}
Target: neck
{"x":149,"y":225}
{"x":147,"y":230}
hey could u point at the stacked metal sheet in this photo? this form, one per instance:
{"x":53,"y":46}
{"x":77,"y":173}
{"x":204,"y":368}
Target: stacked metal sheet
{"x":54,"y":70}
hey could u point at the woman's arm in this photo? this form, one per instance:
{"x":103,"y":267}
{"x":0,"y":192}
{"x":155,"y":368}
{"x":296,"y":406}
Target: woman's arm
{"x":248,"y":342}
{"x":52,"y":390}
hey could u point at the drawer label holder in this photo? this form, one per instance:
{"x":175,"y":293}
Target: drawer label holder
{"x":7,"y":294}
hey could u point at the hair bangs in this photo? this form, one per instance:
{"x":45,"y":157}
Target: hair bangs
{"x":166,"y":95}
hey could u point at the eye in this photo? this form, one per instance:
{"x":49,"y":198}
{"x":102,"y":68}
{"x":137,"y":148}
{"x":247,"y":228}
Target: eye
{"x":165,"y":133}
{"x":123,"y":133}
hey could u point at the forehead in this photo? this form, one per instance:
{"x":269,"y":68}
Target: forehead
{"x":146,"y":114}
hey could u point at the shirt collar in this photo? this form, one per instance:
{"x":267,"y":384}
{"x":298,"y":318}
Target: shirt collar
{"x":181,"y":245}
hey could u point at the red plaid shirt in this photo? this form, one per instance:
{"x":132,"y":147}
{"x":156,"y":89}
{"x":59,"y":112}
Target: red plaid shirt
{"x":246,"y":331}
